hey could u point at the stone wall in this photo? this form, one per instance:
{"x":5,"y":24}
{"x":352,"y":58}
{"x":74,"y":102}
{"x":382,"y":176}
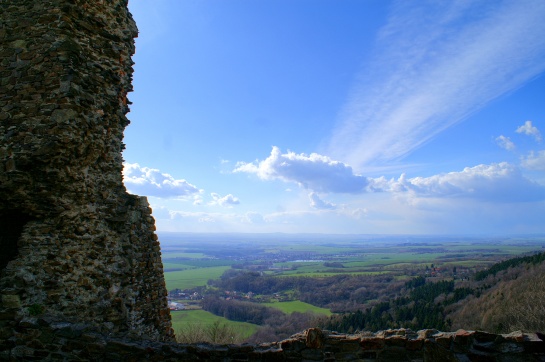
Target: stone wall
{"x":74,"y":243}
{"x":43,"y":339}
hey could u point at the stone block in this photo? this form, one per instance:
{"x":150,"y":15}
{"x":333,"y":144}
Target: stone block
{"x":11,"y":301}
{"x":462,"y":341}
{"x":414,"y":344}
{"x":292,"y":345}
{"x":397,"y":341}
{"x":434,"y":352}
{"x":372,"y":343}
{"x":312,"y":354}
{"x":314,"y":338}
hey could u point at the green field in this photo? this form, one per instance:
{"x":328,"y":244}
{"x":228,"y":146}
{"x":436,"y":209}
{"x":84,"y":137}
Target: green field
{"x":185,"y":317}
{"x":298,"y":306}
{"x":321,"y":273}
{"x":208,"y":256}
{"x":191,"y":278}
{"x":175,"y":266}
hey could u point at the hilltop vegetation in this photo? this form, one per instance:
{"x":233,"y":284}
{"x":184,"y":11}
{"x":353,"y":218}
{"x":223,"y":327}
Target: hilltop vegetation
{"x":510,"y":297}
{"x":510,"y":263}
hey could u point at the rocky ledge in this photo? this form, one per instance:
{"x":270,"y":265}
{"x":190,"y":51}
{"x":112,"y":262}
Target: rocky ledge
{"x":41,"y":338}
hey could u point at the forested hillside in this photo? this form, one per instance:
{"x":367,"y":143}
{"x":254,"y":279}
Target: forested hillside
{"x":512,"y":299}
{"x":422,"y":306}
{"x":506,"y":297}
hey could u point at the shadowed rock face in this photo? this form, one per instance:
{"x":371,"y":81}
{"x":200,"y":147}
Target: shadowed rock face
{"x":74,"y":243}
{"x":11,"y":227}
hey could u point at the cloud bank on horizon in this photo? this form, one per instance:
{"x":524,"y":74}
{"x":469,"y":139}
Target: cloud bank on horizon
{"x":430,"y":74}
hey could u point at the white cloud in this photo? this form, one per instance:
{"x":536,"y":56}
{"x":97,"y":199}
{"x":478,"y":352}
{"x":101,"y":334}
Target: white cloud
{"x":320,"y":204}
{"x":529,"y":130}
{"x":534,"y":161}
{"x":206,"y":219}
{"x":152,"y":182}
{"x":435,"y":64}
{"x":225,"y":201}
{"x":197,"y":200}
{"x":200,"y":217}
{"x":315,"y":172}
{"x":213,"y":222}
{"x":501,"y":182}
{"x":253,"y":218}
{"x":505,"y":142}
{"x":359,"y":212}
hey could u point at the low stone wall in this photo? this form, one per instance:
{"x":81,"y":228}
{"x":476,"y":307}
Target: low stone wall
{"x":43,"y":338}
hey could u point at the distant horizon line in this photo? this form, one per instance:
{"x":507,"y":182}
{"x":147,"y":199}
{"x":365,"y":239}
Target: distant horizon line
{"x":483,"y":235}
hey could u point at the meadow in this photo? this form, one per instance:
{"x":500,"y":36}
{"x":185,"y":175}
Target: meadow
{"x":193,"y":277}
{"x":182,"y":318}
{"x":298,"y":306}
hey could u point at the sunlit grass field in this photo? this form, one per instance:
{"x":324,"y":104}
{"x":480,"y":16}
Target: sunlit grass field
{"x":182,"y":318}
{"x":298,"y":306}
{"x":191,"y":278}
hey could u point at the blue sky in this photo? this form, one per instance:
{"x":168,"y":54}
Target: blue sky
{"x":326,"y":116}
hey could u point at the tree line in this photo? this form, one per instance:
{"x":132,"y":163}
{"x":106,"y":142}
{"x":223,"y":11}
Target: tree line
{"x":420,"y":308}
{"x":339,"y":293}
{"x":510,"y":263}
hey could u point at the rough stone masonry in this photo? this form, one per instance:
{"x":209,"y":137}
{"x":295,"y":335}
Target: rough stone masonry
{"x":73,"y":242}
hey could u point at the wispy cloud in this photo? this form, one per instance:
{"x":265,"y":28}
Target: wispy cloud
{"x":431,"y":73}
{"x":225,"y":201}
{"x":152,"y":182}
{"x":317,"y":203}
{"x":528,"y":129}
{"x":505,"y":142}
{"x":534,"y":161}
{"x":253,"y":218}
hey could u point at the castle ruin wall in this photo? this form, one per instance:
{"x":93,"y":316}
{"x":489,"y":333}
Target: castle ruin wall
{"x":74,"y":243}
